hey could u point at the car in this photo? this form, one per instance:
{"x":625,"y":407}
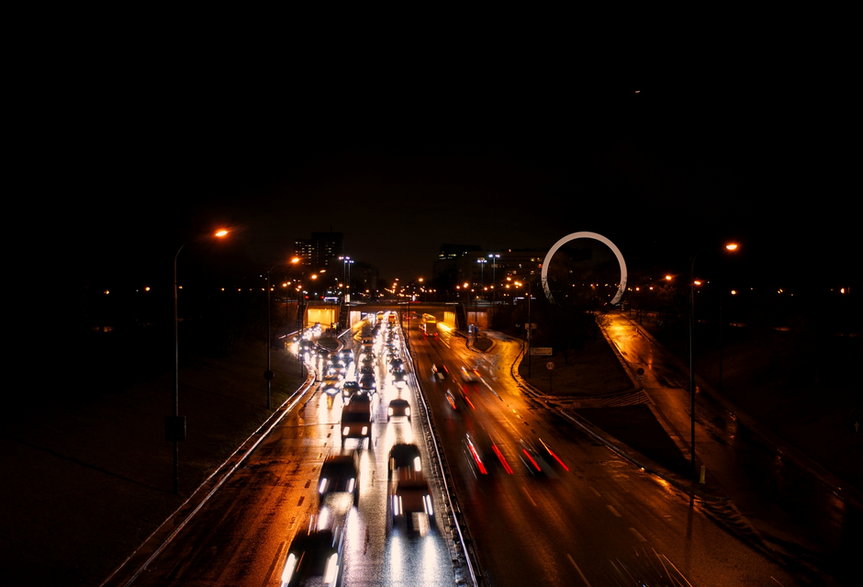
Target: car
{"x":367,"y":383}
{"x":469,"y":375}
{"x":340,"y":474}
{"x":484,"y":454}
{"x":410,"y":503}
{"x":550,"y":455}
{"x":396,"y":363}
{"x":475,"y":454}
{"x":403,"y":457}
{"x":533,"y":459}
{"x":314,"y":558}
{"x":340,"y":367}
{"x":399,"y":408}
{"x":349,"y":388}
{"x":331,"y":384}
{"x":450,"y":398}
{"x":439,"y":372}
{"x":399,"y":378}
{"x":356,"y":421}
{"x":367,"y":369}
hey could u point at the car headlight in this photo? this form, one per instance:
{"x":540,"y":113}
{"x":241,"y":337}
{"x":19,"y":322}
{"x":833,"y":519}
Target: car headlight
{"x":290,"y":565}
{"x":332,"y":569}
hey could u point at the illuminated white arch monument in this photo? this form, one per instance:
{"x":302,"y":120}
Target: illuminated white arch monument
{"x":591,"y":235}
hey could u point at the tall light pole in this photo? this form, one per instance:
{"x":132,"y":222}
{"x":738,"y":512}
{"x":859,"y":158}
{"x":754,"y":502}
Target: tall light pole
{"x":529,"y":326}
{"x":730,"y":247}
{"x":268,"y":374}
{"x":346,"y":276}
{"x":692,"y":367}
{"x":494,"y":257}
{"x":299,"y":289}
{"x":175,"y":427}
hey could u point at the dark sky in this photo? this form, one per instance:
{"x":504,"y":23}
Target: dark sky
{"x":405,"y":150}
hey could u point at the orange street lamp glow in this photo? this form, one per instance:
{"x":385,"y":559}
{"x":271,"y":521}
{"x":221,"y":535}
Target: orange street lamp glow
{"x":732,"y":247}
{"x":222,"y":233}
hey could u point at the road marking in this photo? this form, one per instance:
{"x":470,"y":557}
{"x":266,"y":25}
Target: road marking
{"x":637,"y":535}
{"x":578,"y":569}
{"x":613,"y":511}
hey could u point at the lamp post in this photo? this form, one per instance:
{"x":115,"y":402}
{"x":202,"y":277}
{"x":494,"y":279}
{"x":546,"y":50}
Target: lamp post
{"x":268,"y":374}
{"x":299,"y":289}
{"x":529,"y":326}
{"x":346,"y":276}
{"x":691,"y":366}
{"x":730,"y":247}
{"x":494,"y":257}
{"x":175,"y":428}
{"x":482,"y":263}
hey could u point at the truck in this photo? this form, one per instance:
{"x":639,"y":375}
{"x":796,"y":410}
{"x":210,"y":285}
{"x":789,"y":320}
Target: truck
{"x":429,"y":325}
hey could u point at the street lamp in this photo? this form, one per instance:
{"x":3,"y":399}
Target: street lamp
{"x":295,"y":261}
{"x":731,"y":247}
{"x":346,"y":276}
{"x":529,"y":325}
{"x":268,"y":374}
{"x":494,"y":257}
{"x":176,"y":425}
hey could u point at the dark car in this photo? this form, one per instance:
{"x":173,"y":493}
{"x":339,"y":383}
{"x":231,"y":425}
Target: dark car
{"x":439,"y":372}
{"x":533,"y":459}
{"x":340,"y":474}
{"x":399,"y":378}
{"x":349,"y":388}
{"x":403,"y":457}
{"x":410,"y":503}
{"x":356,"y":419}
{"x":399,"y":408}
{"x":314,"y":558}
{"x":484,"y":454}
{"x":367,"y":383}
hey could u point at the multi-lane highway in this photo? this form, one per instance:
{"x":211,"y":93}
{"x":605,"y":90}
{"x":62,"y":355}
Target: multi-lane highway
{"x":589,"y":518}
{"x":520,"y":496}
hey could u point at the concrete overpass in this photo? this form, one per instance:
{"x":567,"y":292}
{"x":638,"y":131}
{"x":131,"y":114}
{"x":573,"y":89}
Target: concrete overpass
{"x":454,"y":315}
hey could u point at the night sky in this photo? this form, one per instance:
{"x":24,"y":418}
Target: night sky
{"x":502,"y":145}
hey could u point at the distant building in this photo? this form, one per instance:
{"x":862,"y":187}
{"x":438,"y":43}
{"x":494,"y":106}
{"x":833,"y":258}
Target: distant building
{"x":456,"y":264}
{"x":321,"y":251}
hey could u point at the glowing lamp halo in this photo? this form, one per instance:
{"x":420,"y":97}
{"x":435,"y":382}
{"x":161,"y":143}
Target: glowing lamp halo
{"x":575,"y":236}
